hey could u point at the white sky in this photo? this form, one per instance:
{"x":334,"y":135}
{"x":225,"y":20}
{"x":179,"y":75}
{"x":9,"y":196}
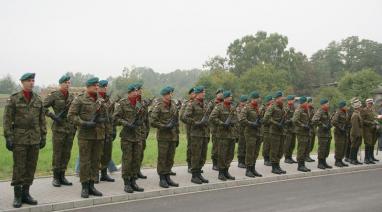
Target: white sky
{"x":51,"y":37}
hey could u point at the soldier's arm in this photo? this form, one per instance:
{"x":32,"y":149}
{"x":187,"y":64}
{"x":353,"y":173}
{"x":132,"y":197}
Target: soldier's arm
{"x":365,"y":120}
{"x":335,"y":118}
{"x":242,"y":117}
{"x":155,"y":122}
{"x":117,"y":115}
{"x":297,"y":118}
{"x":47,"y":103}
{"x":316,"y":120}
{"x":42,"y":119}
{"x":268,"y":116}
{"x":187,"y":116}
{"x":8,"y":118}
{"x":73,"y":113}
{"x":214,"y":117}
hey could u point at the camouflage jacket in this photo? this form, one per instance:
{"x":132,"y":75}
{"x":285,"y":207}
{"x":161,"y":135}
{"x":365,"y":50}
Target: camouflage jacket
{"x":211,"y":105}
{"x":143,"y":112}
{"x":321,"y":119}
{"x":109,"y":106}
{"x":289,"y":127}
{"x":194,"y":112}
{"x":60,"y":105}
{"x":250,"y":114}
{"x":275,"y":115}
{"x":23,"y":121}
{"x":85,"y":108}
{"x":340,"y":121}
{"x":218,"y":116}
{"x":265,"y":123}
{"x":160,"y":116}
{"x":301,"y":120}
{"x":125,"y":111}
{"x":369,"y":118}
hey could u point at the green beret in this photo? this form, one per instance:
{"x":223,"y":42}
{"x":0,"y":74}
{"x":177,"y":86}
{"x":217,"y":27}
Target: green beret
{"x":191,"y":91}
{"x":219,"y":90}
{"x":290,"y":97}
{"x":103,"y":83}
{"x":27,"y":76}
{"x":64,"y":79}
{"x":268,"y":98}
{"x":243,"y":98}
{"x":342,"y":104}
{"x":92,"y":81}
{"x":131,"y":87}
{"x":302,"y":99}
{"x":166,"y":90}
{"x":278,"y":94}
{"x":198,"y":89}
{"x":324,"y":101}
{"x":227,"y":94}
{"x":138,"y":85}
{"x":309,"y":99}
{"x":254,"y":95}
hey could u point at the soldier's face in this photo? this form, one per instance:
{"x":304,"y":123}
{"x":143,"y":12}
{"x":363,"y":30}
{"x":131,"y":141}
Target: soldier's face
{"x":219,"y":96}
{"x":102,"y":89}
{"x":65,"y":85}
{"x":369,"y":105}
{"x":92,"y":88}
{"x":192,"y":95}
{"x":167,"y":97}
{"x":201,"y":95}
{"x":228,"y":99}
{"x":28,"y":84}
{"x":139,"y":92}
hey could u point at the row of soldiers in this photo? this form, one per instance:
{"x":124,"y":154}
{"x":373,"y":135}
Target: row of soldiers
{"x":94,"y":117}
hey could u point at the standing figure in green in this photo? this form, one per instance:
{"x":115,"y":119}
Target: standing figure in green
{"x":214,"y":151}
{"x":63,"y":131}
{"x":276,"y":117}
{"x":311,"y":113}
{"x":25,"y":134}
{"x":264,"y":132}
{"x":356,"y":131}
{"x":250,"y":119}
{"x":322,"y":120}
{"x":340,"y":121}
{"x":89,"y":114}
{"x":241,"y":137}
{"x":196,"y":116}
{"x":110,"y":134}
{"x":127,"y":114}
{"x":224,"y":117}
{"x":289,"y":130}
{"x":165,"y":117}
{"x":370,"y":124}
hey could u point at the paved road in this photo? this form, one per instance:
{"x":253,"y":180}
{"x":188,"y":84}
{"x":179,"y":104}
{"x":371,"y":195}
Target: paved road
{"x":361,"y":191}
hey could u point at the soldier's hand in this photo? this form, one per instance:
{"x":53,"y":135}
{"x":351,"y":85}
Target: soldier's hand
{"x":9,"y":144}
{"x":169,"y":125}
{"x":253,"y":124}
{"x":42,"y":142}
{"x":325,"y":127}
{"x":54,"y":117}
{"x":342,"y":129}
{"x":88,"y":124}
{"x":226,"y":125}
{"x":128,"y":125}
{"x":306,"y":127}
{"x":101,"y":120}
{"x":280,"y":125}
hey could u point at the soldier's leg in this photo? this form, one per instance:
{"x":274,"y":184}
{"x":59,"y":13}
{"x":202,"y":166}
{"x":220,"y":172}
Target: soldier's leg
{"x":188,"y":156}
{"x":97,"y":149}
{"x":196,"y":149}
{"x":31,"y":163}
{"x":312,"y":141}
{"x":85,"y":157}
{"x":302,"y":147}
{"x":58,"y":140}
{"x":347,"y":147}
{"x":137,"y":151}
{"x":222,"y":153}
{"x":19,"y":164}
{"x":275,"y":145}
{"x":321,"y":148}
{"x":170,"y":155}
{"x":162,"y":157}
{"x":266,"y":146}
{"x":67,"y":151}
{"x":142,"y":151}
{"x":280,"y":148}
{"x":215,"y":148}
{"x":250,"y":150}
{"x":230,"y":153}
{"x":203,"y":156}
{"x":288,"y":146}
{"x":241,"y":150}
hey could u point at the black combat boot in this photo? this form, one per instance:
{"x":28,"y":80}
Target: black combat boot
{"x":321,"y":164}
{"x":63,"y":179}
{"x":26,"y":197}
{"x":289,"y":160}
{"x":249,"y":172}
{"x":309,"y":159}
{"x":267,"y":162}
{"x":162,"y":181}
{"x":348,"y":153}
{"x":127,"y":188}
{"x":282,"y":171}
{"x":241,"y":163}
{"x":195,"y":179}
{"x":338,"y":163}
{"x":141,"y":176}
{"x":221,"y":176}
{"x":257,"y":174}
{"x":367,"y":155}
{"x":275,"y":170}
{"x":105,"y":176}
{"x":204,"y":180}
{"x":344,"y":164}
{"x":85,"y":190}
{"x":353,"y":156}
{"x":17,"y":202}
{"x":326,"y":164}
{"x":215,"y":165}
{"x":93,"y":191}
{"x":189,"y":167}
{"x":228,"y":175}
{"x":301,"y":167}
{"x":372,"y":154}
{"x":56,"y":179}
{"x":135,"y":186}
{"x":170,"y":182}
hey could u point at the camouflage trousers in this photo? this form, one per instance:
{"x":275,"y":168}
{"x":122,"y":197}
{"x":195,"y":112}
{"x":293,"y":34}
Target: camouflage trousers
{"x":226,"y":152}
{"x":276,"y":147}
{"x":90,"y":155}
{"x":131,"y":158}
{"x":339,"y":144}
{"x":62,"y":148}
{"x":266,"y":145}
{"x":312,"y":141}
{"x":289,"y":144}
{"x":215,"y":147}
{"x":142,"y":152}
{"x":199,"y":147}
{"x":253,"y":145}
{"x":188,"y":137}
{"x":303,"y":147}
{"x":25,"y":159}
{"x":166,"y":154}
{"x":323,"y":147}
{"x":241,"y":149}
{"x":107,"y":151}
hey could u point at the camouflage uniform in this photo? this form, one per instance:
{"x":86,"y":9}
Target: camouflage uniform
{"x":241,"y":147}
{"x":188,"y":128}
{"x":340,"y":121}
{"x":265,"y":136}
{"x":369,"y":132}
{"x":321,"y":119}
{"x":145,"y":128}
{"x":313,"y":129}
{"x":301,"y":121}
{"x":290,"y":134}
{"x":355,"y":135}
{"x":214,"y":138}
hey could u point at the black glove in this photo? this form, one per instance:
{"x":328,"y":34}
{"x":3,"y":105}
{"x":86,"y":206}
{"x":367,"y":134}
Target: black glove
{"x":342,"y":129}
{"x":55,"y":118}
{"x":169,"y":125}
{"x":128,"y":125}
{"x":88,"y":124}
{"x":227,"y":124}
{"x":280,"y":125}
{"x":306,"y":127}
{"x":9,"y":143}
{"x":253,"y":124}
{"x":101,"y":120}
{"x":42,"y":141}
{"x":288,"y":122}
{"x":326,"y":127}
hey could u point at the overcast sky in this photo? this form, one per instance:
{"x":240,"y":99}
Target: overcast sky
{"x":51,"y":37}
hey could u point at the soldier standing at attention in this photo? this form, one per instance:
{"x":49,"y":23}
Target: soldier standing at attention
{"x":250,"y":120}
{"x":109,"y":134}
{"x":164,"y":117}
{"x":264,"y":132}
{"x":290,"y":134}
{"x":348,"y":129}
{"x":312,"y":130}
{"x":25,"y":134}
{"x":196,"y":116}
{"x":241,"y":141}
{"x":215,"y":140}
{"x":322,"y":120}
{"x":89,"y":114}
{"x":191,"y":96}
{"x":340,"y":122}
{"x":356,"y":131}
{"x":127,"y":114}
{"x":63,"y":131}
{"x":369,"y":130}
{"x":301,"y":121}
{"x":224,"y":117}
{"x":276,"y":117}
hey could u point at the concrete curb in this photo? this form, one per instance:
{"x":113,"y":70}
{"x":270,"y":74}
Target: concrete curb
{"x":189,"y":189}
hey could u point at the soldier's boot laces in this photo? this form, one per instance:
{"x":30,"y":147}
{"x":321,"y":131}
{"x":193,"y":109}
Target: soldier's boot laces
{"x":85,"y":190}
{"x":26,"y":197}
{"x":257,"y":174}
{"x":105,"y":176}
{"x":93,"y":190}
{"x":127,"y":188}
{"x":141,"y":176}
{"x":275,"y":170}
{"x":221,"y":176}
{"x":63,"y":179}
{"x":282,"y":171}
{"x":163,"y":182}
{"x":195,"y":179}
{"x":56,"y":179}
{"x":200,"y":176}
{"x":249,"y":172}
{"x":326,"y":164}
{"x":372,"y":154}
{"x":135,"y":186}
{"x":228,"y":175}
{"x":338,"y":163}
{"x":302,"y":167}
{"x":17,"y":202}
{"x":170,"y":182}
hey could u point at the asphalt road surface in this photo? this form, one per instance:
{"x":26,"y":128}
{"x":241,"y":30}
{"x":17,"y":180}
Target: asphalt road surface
{"x":358,"y":192}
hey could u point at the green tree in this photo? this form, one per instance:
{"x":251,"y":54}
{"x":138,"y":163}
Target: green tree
{"x":221,"y":79}
{"x":332,"y":94}
{"x":7,"y":85}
